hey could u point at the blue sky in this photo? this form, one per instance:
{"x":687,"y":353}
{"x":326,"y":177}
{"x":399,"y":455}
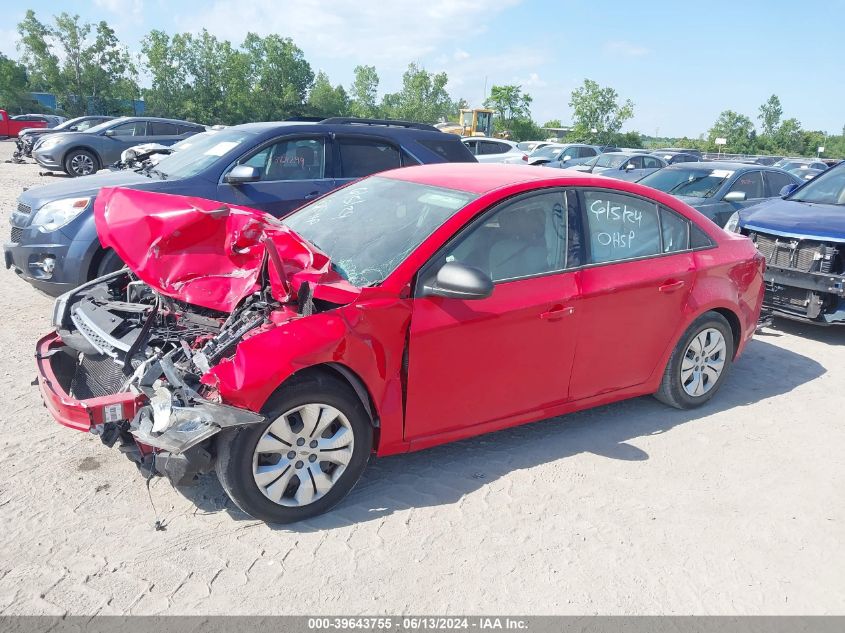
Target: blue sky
{"x":681,"y":63}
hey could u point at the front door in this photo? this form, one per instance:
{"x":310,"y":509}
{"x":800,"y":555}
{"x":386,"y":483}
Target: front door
{"x":293,"y":172}
{"x":471,"y":362}
{"x":639,"y":273}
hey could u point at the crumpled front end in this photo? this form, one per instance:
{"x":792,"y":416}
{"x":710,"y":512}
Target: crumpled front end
{"x":134,"y":355}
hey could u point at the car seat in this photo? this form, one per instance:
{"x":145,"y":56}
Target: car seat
{"x":523,"y":249}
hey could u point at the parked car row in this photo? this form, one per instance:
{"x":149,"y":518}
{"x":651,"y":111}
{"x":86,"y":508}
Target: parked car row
{"x":274,"y":167}
{"x":28,"y":136}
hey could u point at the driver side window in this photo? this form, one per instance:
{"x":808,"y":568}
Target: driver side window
{"x":523,"y":238}
{"x":290,"y":159}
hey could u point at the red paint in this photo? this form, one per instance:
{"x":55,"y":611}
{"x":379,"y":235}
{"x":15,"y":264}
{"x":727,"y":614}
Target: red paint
{"x":76,"y":414}
{"x":536,"y":348}
{"x":11,"y":128}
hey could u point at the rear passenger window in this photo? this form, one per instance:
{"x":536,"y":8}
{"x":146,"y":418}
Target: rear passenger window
{"x":620,"y":227}
{"x":450,"y":151}
{"x":158,"y":128}
{"x":359,"y":158}
{"x":675,"y":231}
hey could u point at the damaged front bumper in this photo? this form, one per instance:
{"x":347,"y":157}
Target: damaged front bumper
{"x":806,"y":296}
{"x":138,"y":416}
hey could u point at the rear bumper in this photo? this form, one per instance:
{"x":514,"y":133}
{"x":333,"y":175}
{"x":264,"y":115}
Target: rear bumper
{"x":82,"y":415}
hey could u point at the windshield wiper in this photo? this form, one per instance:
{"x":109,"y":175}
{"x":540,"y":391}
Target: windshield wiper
{"x":158,"y":173}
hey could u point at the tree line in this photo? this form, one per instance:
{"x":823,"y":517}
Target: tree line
{"x":199,"y":77}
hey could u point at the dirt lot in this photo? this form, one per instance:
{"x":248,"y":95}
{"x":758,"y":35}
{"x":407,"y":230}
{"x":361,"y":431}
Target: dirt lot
{"x":737,"y":508}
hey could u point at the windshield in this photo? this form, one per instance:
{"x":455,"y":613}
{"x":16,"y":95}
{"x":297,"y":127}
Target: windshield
{"x":698,"y":183}
{"x":611,"y":160}
{"x":104,"y":125}
{"x":549,"y":151}
{"x":371,"y":226}
{"x":194,"y":158}
{"x":826,"y":188}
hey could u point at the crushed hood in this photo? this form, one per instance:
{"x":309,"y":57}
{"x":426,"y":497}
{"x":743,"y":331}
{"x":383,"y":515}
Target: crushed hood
{"x":211,"y":254}
{"x":796,"y":219}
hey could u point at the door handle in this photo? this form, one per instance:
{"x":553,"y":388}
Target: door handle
{"x":313,"y":194}
{"x":671,"y":286}
{"x":558,"y":312}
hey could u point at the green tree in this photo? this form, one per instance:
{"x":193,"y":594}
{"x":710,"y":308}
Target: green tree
{"x":165,"y":60}
{"x":281,"y":77}
{"x":13,"y":84}
{"x":737,"y":129}
{"x":770,"y":114}
{"x":789,"y":138}
{"x":423,"y":97}
{"x":597,"y":108}
{"x":37,"y":54}
{"x":363,"y":93}
{"x":553,"y":123}
{"x":84,"y":64}
{"x":326,"y":100}
{"x":509,"y":102}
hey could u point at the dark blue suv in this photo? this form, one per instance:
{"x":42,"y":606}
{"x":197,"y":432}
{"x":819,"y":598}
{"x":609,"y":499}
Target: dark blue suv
{"x":275,"y":167}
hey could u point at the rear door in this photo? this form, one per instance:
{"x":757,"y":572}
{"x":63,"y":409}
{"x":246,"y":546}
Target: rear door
{"x":164,"y":133}
{"x":475,"y":362}
{"x":634,"y":287}
{"x":294,"y":170}
{"x":360,"y":156}
{"x":123,"y":137}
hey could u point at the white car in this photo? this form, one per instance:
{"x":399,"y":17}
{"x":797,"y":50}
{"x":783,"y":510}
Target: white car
{"x":494,"y":150}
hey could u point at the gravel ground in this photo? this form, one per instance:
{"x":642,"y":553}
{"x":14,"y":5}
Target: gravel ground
{"x":634,"y":508}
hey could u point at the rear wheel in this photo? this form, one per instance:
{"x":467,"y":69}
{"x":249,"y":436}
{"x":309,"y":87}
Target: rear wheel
{"x":304,"y":460}
{"x":699,"y":363}
{"x":80,"y":162}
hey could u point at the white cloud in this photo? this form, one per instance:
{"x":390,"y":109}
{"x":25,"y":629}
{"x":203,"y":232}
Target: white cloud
{"x":532,"y":81}
{"x":121,"y":7}
{"x":625,"y":48}
{"x":460,"y":55}
{"x":361,"y":32}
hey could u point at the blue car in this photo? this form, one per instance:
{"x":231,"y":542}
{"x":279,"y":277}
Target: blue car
{"x":274,"y":167}
{"x":802,"y":236}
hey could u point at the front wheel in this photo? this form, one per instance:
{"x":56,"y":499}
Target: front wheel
{"x":699,"y":363}
{"x":304,"y":460}
{"x":80,"y":162}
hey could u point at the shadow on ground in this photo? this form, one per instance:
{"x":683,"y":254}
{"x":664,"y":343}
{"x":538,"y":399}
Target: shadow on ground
{"x":443,"y":475}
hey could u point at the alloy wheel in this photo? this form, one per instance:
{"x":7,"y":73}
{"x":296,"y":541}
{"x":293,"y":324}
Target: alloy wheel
{"x":703,"y":362}
{"x":82,"y":164}
{"x":302,"y":453}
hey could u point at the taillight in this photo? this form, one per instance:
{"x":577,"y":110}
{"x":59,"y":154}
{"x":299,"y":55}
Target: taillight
{"x":525,"y":157}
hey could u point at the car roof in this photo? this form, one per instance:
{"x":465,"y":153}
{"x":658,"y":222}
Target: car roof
{"x":482,"y":178}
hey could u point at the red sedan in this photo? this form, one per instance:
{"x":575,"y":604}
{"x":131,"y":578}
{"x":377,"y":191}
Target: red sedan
{"x":405,"y":310}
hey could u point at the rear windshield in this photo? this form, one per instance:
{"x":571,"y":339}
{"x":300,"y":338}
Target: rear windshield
{"x":451,"y":151}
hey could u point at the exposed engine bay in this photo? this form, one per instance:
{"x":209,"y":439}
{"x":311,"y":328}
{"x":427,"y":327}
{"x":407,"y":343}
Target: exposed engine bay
{"x":121,"y":336}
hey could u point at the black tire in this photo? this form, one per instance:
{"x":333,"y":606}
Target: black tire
{"x":671,"y":389}
{"x":236,"y":448}
{"x":80,"y":162}
{"x":109,"y":263}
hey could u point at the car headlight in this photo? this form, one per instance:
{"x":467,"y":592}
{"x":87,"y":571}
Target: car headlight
{"x":732,"y":225}
{"x":48,"y":143}
{"x":55,"y":215}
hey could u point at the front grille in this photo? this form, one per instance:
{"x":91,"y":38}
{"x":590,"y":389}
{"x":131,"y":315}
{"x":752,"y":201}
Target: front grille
{"x":16,"y":234}
{"x":24,"y":208}
{"x":96,"y":376}
{"x":783,"y":252}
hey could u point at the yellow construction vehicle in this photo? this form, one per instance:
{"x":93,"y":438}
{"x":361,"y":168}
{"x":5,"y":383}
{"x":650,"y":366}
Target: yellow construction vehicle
{"x":471,"y":122}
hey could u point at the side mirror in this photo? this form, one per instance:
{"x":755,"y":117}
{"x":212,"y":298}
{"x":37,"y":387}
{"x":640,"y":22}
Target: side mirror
{"x":241,"y":174}
{"x":458,"y":281}
{"x":567,"y":157}
{"x":734,"y":196}
{"x":109,"y":132}
{"x":73,"y":128}
{"x":788,"y":189}
{"x":629,"y":166}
